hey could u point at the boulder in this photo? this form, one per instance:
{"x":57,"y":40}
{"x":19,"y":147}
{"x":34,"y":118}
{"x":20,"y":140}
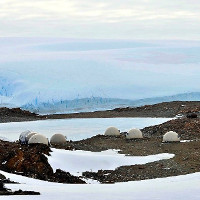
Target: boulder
{"x":191,"y":115}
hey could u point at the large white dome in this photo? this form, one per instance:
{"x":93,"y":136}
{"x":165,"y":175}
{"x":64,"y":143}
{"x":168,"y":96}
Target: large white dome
{"x":112,"y":131}
{"x":171,"y":136}
{"x":28,"y":136}
{"x":134,"y":133}
{"x":58,"y":139}
{"x":22,"y":137}
{"x":38,"y":138}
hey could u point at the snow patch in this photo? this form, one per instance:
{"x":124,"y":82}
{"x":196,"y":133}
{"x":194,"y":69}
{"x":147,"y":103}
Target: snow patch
{"x":79,"y":161}
{"x":178,"y":187}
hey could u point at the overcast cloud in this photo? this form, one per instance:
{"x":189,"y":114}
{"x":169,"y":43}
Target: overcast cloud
{"x":122,"y":19}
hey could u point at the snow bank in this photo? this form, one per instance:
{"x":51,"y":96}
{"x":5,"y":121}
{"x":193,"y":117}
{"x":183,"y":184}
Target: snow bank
{"x":79,"y":161}
{"x":180,"y":187}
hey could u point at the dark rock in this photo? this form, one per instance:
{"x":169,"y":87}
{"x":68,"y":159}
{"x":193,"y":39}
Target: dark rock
{"x":141,"y":167}
{"x":2,"y":177}
{"x":124,"y":133}
{"x":2,"y":188}
{"x":30,"y":160}
{"x":65,"y":177}
{"x":5,"y":191}
{"x":20,"y":192}
{"x":15,"y":112}
{"x":191,"y":115}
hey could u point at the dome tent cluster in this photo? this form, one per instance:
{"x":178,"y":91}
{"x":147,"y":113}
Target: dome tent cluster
{"x":28,"y":137}
{"x":135,"y":133}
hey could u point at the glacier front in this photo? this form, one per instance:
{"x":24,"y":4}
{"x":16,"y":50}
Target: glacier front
{"x":38,"y":72}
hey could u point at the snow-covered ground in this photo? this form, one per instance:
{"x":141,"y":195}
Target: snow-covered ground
{"x":77,"y":162}
{"x":35,"y":70}
{"x":180,"y":187}
{"x":75,"y":129}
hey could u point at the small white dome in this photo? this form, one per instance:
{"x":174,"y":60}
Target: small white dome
{"x":22,"y":137}
{"x":28,"y":136}
{"x":171,"y":136}
{"x":112,"y":131}
{"x":38,"y":138}
{"x":58,"y":139}
{"x":134,"y":133}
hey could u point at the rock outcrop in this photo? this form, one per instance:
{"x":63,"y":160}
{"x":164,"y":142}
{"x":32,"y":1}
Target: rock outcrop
{"x":30,"y":160}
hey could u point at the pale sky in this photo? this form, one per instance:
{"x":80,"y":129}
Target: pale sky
{"x":116,"y":19}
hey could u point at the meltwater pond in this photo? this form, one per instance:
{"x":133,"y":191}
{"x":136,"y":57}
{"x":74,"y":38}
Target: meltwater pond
{"x":75,"y":129}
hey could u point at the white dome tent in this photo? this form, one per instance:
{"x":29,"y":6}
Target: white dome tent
{"x":58,"y":139}
{"x":28,"y":136}
{"x":134,"y":133}
{"x":22,"y":137}
{"x":38,"y":139}
{"x":112,"y":131}
{"x":171,"y":136}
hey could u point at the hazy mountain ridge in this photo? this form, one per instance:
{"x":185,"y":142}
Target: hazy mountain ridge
{"x":191,"y":96}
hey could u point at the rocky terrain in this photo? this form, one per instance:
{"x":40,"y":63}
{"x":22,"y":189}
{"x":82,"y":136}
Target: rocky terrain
{"x":6,"y":191}
{"x":16,"y":115}
{"x":165,"y":109}
{"x":186,"y":160}
{"x":30,"y":160}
